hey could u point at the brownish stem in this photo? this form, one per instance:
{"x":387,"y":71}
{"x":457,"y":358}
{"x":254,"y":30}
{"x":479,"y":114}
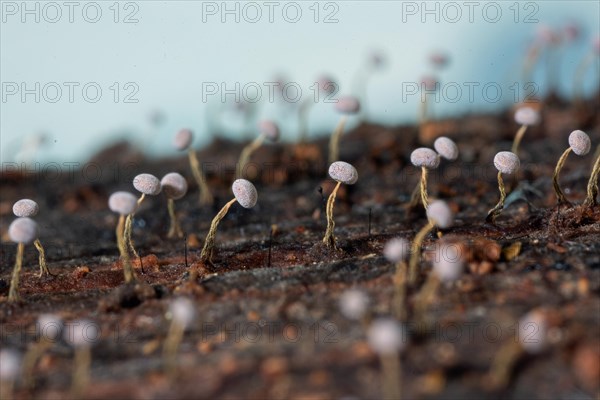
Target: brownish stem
{"x":592,"y":186}
{"x":391,"y":376}
{"x":425,"y":298}
{"x":518,"y":138}
{"x":303,"y":120}
{"x":13,"y":292}
{"x":247,"y":152}
{"x":81,"y":371}
{"x":560,"y":196}
{"x":415,"y":196}
{"x":579,"y":76}
{"x":398,"y":308}
{"x":503,"y":363}
{"x":423,"y":110}
{"x":415,"y":250}
{"x":32,"y":356}
{"x":209,"y":242}
{"x":206,"y":197}
{"x":175,"y":228}
{"x":334,"y":141}
{"x":129,"y":227}
{"x":329,"y":238}
{"x":127,"y":268}
{"x":42,"y":258}
{"x":170,"y":348}
{"x":495,"y":212}
{"x":423,"y":188}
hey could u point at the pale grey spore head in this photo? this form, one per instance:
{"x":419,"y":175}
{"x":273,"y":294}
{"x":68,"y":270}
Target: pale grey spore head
{"x":183,"y":139}
{"x":147,"y":184}
{"x":245,"y":193}
{"x":446,"y":148}
{"x":343,"y":172}
{"x":269,"y":129}
{"x":425,"y":157}
{"x":507,"y":162}
{"x":348,"y":105}
{"x":25,"y":208}
{"x":580,"y":142}
{"x":123,"y":203}
{"x":174,"y":185}
{"x":23,"y":230}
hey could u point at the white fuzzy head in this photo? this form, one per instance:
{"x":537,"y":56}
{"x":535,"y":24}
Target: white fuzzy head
{"x":183,"y":139}
{"x":533,"y":329}
{"x":441,"y":215}
{"x":25,"y":208}
{"x":269,"y":129}
{"x":123,"y":203}
{"x":82,"y":333}
{"x":245,"y":193}
{"x":446,"y":148}
{"x":182,"y":311}
{"x":49,"y":327}
{"x":147,"y":184}
{"x":326,"y":84}
{"x":448,"y":262}
{"x":174,"y":185}
{"x":507,"y":162}
{"x":429,"y":83}
{"x":396,"y":249}
{"x":596,"y":44}
{"x":23,"y":230}
{"x":10,"y":364}
{"x":527,"y":116}
{"x":386,"y":336}
{"x":439,"y":60}
{"x":343,"y":172}
{"x":580,"y":142}
{"x":354,"y":303}
{"x":347,"y":105}
{"x":425,"y":157}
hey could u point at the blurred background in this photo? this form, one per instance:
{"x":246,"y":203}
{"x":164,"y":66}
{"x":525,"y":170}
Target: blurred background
{"x":77,"y":77}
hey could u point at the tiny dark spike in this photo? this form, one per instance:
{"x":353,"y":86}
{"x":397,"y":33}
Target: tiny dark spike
{"x":185,"y":250}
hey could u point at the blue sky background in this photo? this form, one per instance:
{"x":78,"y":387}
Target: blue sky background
{"x":176,"y":47}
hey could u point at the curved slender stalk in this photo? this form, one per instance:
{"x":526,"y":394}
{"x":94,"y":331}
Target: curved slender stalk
{"x":247,"y":152}
{"x":423,"y":189}
{"x":415,"y":251}
{"x":560,"y":196}
{"x":329,"y":238}
{"x":42,"y":258}
{"x":13,"y":292}
{"x":127,"y":268}
{"x":334,"y":141}
{"x":495,"y":212}
{"x":175,"y":228}
{"x":206,"y":197}
{"x":415,"y":196}
{"x":592,"y":186}
{"x":129,"y":227}
{"x":209,"y":242}
{"x":517,"y":140}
